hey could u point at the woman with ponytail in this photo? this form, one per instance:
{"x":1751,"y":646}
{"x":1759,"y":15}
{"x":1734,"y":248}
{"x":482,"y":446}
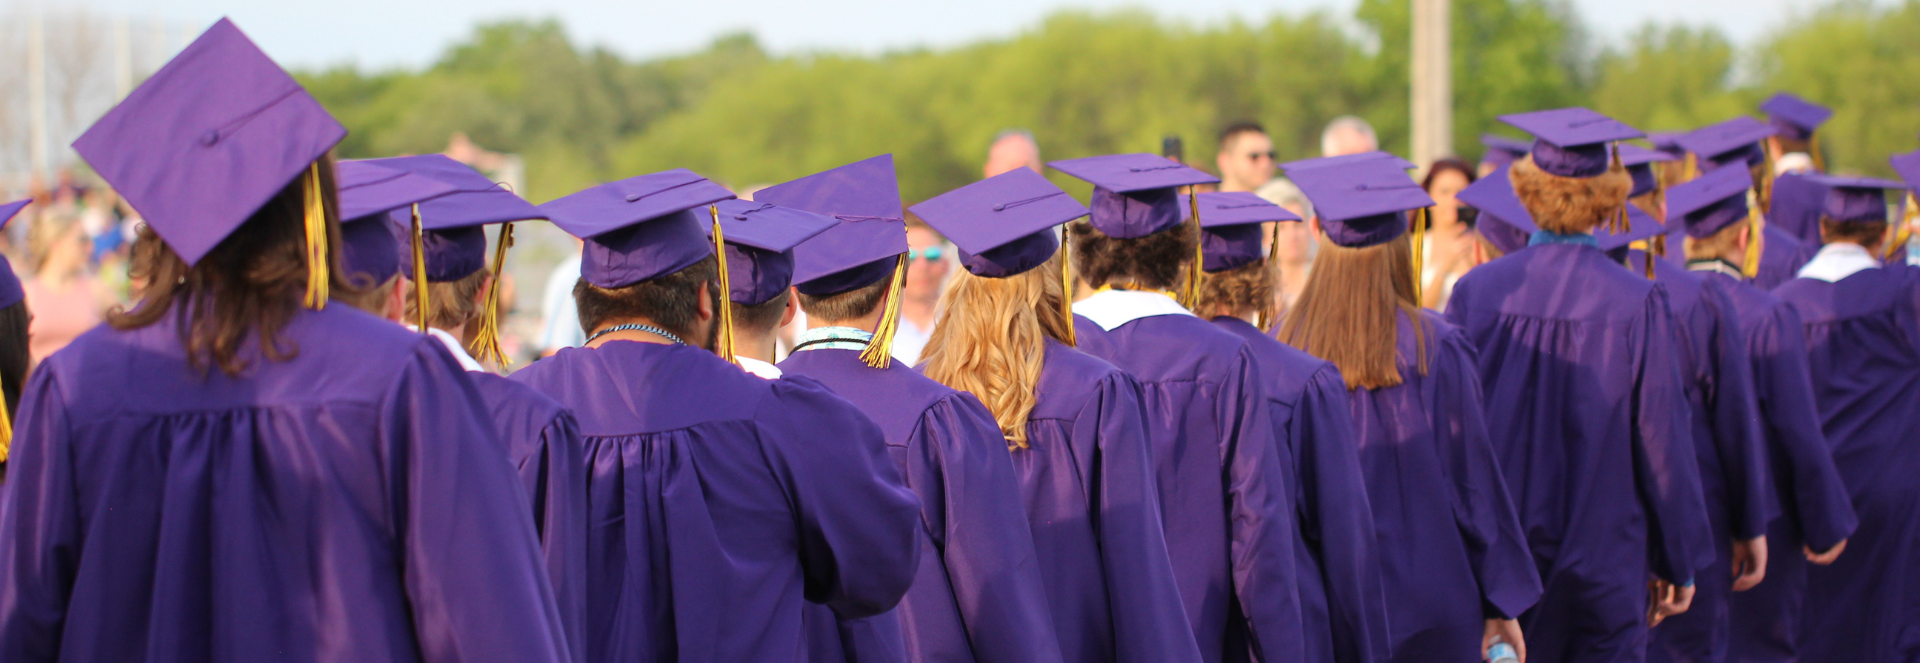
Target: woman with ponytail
{"x":1072,"y":423}
{"x":1453,"y":557}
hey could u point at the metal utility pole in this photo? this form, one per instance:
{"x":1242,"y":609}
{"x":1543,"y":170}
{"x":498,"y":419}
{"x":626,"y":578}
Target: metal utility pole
{"x":1432,"y":73}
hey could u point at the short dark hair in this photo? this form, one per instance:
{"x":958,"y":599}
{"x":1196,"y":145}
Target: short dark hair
{"x":1153,"y":261}
{"x":1864,"y":233}
{"x":1242,"y":127}
{"x":846,"y":305}
{"x":762,"y":317}
{"x":671,"y":301}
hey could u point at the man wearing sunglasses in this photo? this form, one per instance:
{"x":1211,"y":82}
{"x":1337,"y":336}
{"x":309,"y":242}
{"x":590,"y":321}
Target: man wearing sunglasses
{"x":929,"y":261}
{"x":1246,"y":157}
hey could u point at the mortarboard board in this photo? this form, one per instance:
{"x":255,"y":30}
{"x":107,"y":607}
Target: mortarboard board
{"x":1502,"y":150}
{"x":1503,"y":220}
{"x":1571,"y":142}
{"x":1725,"y":143}
{"x":1711,"y":202}
{"x":760,"y":238}
{"x":208,"y":139}
{"x":1668,"y":142}
{"x":1794,"y":117}
{"x":1230,"y":228}
{"x":1134,"y":194}
{"x":640,"y":228}
{"x":868,"y":242}
{"x":1361,"y":204}
{"x":1907,"y":166}
{"x":1003,"y":225}
{"x":1347,"y":159}
{"x":10,"y":291}
{"x":1856,"y":199}
{"x":367,"y":192}
{"x":1639,"y":163}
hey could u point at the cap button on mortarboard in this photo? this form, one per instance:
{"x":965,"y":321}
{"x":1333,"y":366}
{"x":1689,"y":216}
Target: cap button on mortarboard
{"x":212,"y":136}
{"x":633,"y":197}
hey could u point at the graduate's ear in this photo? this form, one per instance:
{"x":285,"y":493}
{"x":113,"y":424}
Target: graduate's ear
{"x":705,"y":300}
{"x":397,"y":300}
{"x":793,"y":307}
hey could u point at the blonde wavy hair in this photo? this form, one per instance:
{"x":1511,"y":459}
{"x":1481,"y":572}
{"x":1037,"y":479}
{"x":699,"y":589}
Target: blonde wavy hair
{"x":991,"y":340}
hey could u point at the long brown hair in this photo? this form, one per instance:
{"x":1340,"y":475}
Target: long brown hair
{"x":1349,"y":311}
{"x":991,"y":340}
{"x":249,"y":285}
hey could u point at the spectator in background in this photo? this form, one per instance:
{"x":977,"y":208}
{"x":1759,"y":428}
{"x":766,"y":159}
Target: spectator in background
{"x":560,"y":321}
{"x":1448,"y":247}
{"x":1013,"y":148}
{"x":1347,"y":134}
{"x":66,"y":300}
{"x":929,"y":262}
{"x":1294,"y":247}
{"x":1246,"y":157}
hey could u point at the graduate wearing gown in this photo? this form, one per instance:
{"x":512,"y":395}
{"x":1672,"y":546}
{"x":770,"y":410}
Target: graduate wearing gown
{"x":339,"y":499}
{"x":1814,"y":513}
{"x":1224,"y":500}
{"x":1342,"y":605}
{"x":1585,"y":404}
{"x":1740,"y":143}
{"x":1863,"y":329}
{"x":720,"y":503}
{"x":1453,"y":558}
{"x":542,"y":440}
{"x":1072,"y":423}
{"x":979,"y":595}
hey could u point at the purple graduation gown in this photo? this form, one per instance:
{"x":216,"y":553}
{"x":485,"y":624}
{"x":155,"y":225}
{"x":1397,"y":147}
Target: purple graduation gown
{"x":1087,"y":479}
{"x":349,"y":504}
{"x":719,"y":501}
{"x":1343,"y":607}
{"x":543,"y":443}
{"x":1451,"y":547}
{"x":1588,"y":414}
{"x":1728,"y":446}
{"x":1814,"y":509}
{"x":1781,"y":257}
{"x":979,"y":595}
{"x":1864,"y":336}
{"x":1223,"y":493}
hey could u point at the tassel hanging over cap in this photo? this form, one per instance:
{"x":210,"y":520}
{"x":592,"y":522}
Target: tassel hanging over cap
{"x":1268,"y":312}
{"x":1066,"y":290}
{"x":316,"y":228}
{"x":419,"y":272}
{"x":6,"y":428}
{"x":1192,"y":292}
{"x":1813,"y":150}
{"x":486,"y":342}
{"x":723,"y":346}
{"x":879,"y":352}
{"x":1418,"y":230}
{"x":1750,"y":263}
{"x":1903,"y":231}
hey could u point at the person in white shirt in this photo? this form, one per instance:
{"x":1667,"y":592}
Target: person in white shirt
{"x":559,"y":319}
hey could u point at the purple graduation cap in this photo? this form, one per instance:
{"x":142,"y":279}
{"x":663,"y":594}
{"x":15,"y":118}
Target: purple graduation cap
{"x":1503,"y":220}
{"x":871,"y":233}
{"x":208,"y":139}
{"x":367,"y":192}
{"x":1134,"y":195}
{"x":1346,"y":159}
{"x":1639,"y":162}
{"x":1640,"y":225}
{"x":1003,"y":225}
{"x":1856,"y":199}
{"x":1230,"y":235}
{"x":1361,"y":204}
{"x":10,"y":291}
{"x":640,"y":228}
{"x":1571,"y":142}
{"x":1794,"y":117}
{"x":1711,"y":202}
{"x":453,"y":239}
{"x":1726,"y":143}
{"x":760,"y":238}
{"x":1668,"y":142}
{"x":1907,"y":166}
{"x":1502,"y":150}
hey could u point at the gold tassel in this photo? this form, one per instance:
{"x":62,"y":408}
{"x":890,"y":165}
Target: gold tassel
{"x":419,"y":272}
{"x":1903,"y":231}
{"x":1690,"y":169}
{"x":1419,"y":232}
{"x":316,"y":226}
{"x":724,"y":345}
{"x":1656,"y":250}
{"x":1192,"y":291}
{"x":1813,"y":150}
{"x":879,"y":352}
{"x":1750,"y":265}
{"x":6,"y":428}
{"x":486,"y":343}
{"x":1066,"y":289}
{"x":1269,"y":313}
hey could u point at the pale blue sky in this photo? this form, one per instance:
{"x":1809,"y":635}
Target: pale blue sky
{"x":381,"y":33}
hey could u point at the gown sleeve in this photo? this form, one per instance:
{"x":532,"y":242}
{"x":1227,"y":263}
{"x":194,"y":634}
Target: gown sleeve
{"x":980,"y":530}
{"x":1736,"y":413}
{"x":1823,"y":509}
{"x":1339,"y":517}
{"x":1260,"y":516}
{"x":39,"y":527}
{"x":857,"y":521}
{"x":474,"y":577}
{"x":1149,"y":625}
{"x":1489,"y":524}
{"x":1665,"y":472}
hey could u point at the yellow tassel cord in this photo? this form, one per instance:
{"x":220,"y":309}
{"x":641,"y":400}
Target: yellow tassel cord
{"x":486,"y":343}
{"x":879,"y":352}
{"x":1813,"y":150}
{"x":6,"y":429}
{"x":1192,"y":291}
{"x":1766,"y":180}
{"x":1691,"y":169}
{"x":419,"y":272}
{"x":1750,"y":263}
{"x":1656,"y":249}
{"x":1903,"y":231}
{"x":317,"y":277}
{"x":1269,"y":316}
{"x":1619,"y":224}
{"x":1418,"y":230}
{"x":723,"y":346}
{"x":1066,"y":290}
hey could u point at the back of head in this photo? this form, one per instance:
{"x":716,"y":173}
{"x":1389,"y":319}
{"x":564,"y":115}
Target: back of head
{"x":1349,"y":312}
{"x":1236,"y":130}
{"x":1569,"y":205}
{"x":1154,"y":261}
{"x":1243,"y":289}
{"x":671,"y":301}
{"x":1348,"y":134}
{"x":991,"y":340}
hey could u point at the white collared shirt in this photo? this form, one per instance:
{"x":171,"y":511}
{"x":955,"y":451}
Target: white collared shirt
{"x":759,"y":368}
{"x":1112,"y":308}
{"x":467,"y":361}
{"x":1837,"y":261}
